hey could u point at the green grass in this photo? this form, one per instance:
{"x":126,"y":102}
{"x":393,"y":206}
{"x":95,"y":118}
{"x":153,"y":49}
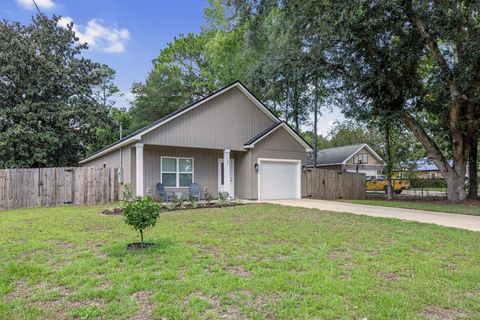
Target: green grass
{"x":254,"y":261}
{"x":470,"y":209}
{"x":429,"y":189}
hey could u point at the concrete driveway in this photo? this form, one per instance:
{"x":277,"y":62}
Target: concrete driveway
{"x":444,"y":219}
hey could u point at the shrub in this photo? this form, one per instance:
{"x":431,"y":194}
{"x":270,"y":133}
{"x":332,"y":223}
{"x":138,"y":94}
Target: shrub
{"x":223,"y":200}
{"x":141,"y":213}
{"x":193,"y":200}
{"x":208,"y":196}
{"x":127,"y":192}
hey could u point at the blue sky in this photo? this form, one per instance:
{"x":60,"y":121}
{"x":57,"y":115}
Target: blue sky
{"x":127,"y":35}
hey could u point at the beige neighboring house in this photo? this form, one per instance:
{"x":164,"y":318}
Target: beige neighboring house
{"x":228,"y":141}
{"x":353,"y":158}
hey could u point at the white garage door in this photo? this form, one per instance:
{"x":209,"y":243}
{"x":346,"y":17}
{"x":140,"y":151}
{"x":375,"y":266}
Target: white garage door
{"x":279,"y":179}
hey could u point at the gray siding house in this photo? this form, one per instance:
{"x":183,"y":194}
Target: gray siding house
{"x":352,"y":158}
{"x":228,"y":141}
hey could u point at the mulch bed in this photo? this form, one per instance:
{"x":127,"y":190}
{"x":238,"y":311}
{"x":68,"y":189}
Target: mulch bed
{"x":113,"y":212}
{"x":186,"y":206}
{"x":139,"y":245}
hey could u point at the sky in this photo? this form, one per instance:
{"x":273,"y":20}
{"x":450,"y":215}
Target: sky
{"x":126,"y":35}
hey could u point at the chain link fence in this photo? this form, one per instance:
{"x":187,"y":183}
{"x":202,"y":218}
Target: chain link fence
{"x":409,"y":188}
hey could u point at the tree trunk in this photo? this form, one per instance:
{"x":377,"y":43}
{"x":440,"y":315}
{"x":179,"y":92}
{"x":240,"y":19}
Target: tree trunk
{"x":473,"y":170}
{"x":454,"y":175}
{"x":141,"y":238}
{"x":389,"y":163}
{"x":455,"y":179}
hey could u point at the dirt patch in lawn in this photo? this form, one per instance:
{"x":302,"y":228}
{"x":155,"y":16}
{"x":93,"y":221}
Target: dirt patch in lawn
{"x":145,"y":308}
{"x":238,"y":271}
{"x":22,"y":290}
{"x":216,"y":309}
{"x":390,"y":276}
{"x":206,"y":250}
{"x":437,"y":313}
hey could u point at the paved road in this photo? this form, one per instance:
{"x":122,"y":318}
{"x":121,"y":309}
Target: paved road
{"x":444,"y":219}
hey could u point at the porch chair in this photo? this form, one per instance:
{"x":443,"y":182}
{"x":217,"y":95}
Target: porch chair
{"x":194,"y":190}
{"x":162,"y":192}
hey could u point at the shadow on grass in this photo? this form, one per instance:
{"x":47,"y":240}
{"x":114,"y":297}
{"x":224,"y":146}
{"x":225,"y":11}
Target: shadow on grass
{"x":119,"y":249}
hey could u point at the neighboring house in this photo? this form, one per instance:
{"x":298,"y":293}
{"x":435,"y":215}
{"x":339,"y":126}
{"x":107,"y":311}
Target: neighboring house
{"x":264,"y":156}
{"x":352,"y":158}
{"x":423,"y":169}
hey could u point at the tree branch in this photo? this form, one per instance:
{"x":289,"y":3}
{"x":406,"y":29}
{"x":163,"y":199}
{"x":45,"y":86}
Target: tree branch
{"x":433,"y":150}
{"x":455,"y":89}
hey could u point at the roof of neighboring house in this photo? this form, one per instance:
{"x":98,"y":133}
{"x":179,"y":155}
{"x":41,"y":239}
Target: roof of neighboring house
{"x":251,"y":143}
{"x":340,"y":155}
{"x":428,"y":165}
{"x":136,"y":136}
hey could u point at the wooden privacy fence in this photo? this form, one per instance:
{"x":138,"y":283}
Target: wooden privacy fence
{"x":334,"y":185}
{"x":45,"y":187}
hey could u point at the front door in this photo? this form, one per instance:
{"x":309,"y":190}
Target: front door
{"x":221,"y":182}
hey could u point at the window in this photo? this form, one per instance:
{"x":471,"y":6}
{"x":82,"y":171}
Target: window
{"x":177,"y":172}
{"x":360,"y":158}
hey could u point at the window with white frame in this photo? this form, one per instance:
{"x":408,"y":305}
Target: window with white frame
{"x":360,"y":158}
{"x":177,"y":172}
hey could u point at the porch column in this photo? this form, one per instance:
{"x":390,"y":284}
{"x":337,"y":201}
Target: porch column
{"x":139,"y":169}
{"x":226,"y":171}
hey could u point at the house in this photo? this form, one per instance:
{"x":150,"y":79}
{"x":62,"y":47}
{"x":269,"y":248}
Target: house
{"x":422,"y":169}
{"x":352,"y":158}
{"x":228,"y":141}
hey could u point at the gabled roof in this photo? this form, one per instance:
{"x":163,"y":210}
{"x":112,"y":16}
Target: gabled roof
{"x":137,"y":135}
{"x":340,"y":155}
{"x":251,"y":143}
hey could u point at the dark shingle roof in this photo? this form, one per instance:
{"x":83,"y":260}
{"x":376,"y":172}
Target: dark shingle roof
{"x":336,"y":155}
{"x":261,"y":134}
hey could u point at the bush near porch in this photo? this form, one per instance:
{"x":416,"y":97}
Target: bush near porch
{"x":256,"y":261}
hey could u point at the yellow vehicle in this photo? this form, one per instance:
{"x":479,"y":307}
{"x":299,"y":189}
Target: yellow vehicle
{"x":379,"y":183}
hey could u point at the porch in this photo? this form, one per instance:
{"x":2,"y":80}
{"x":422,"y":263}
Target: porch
{"x":177,"y":167}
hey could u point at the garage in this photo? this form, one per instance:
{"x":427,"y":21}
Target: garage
{"x":279,"y":179}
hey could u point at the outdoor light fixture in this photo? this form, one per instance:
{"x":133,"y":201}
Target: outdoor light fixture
{"x":256,"y":166}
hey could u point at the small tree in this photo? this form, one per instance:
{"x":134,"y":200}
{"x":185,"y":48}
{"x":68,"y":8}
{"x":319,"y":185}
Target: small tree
{"x":141,"y":213}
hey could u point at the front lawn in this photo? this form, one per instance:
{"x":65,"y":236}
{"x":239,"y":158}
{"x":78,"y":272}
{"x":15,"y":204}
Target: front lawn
{"x":470,"y":208}
{"x":256,"y":261}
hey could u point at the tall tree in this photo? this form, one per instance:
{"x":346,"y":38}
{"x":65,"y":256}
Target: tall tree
{"x":48,"y":110}
{"x":379,"y":49}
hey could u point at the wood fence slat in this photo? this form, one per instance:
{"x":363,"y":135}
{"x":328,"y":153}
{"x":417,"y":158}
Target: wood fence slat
{"x":44,"y":187}
{"x":334,"y":185}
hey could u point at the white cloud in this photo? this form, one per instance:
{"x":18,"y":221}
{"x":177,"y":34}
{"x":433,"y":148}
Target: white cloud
{"x":99,"y":36}
{"x":42,"y":4}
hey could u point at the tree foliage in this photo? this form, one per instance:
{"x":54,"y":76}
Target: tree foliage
{"x":48,"y":108}
{"x":141,"y":213}
{"x":416,"y":62}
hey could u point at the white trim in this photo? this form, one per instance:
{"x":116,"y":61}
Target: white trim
{"x":289,"y":130}
{"x":139,"y":169}
{"x":202,"y":101}
{"x":299,"y":183}
{"x":114,"y":147}
{"x":369,"y":150}
{"x":177,"y":172}
{"x":328,"y":164}
{"x":226,"y":171}
{"x":219,"y":180}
